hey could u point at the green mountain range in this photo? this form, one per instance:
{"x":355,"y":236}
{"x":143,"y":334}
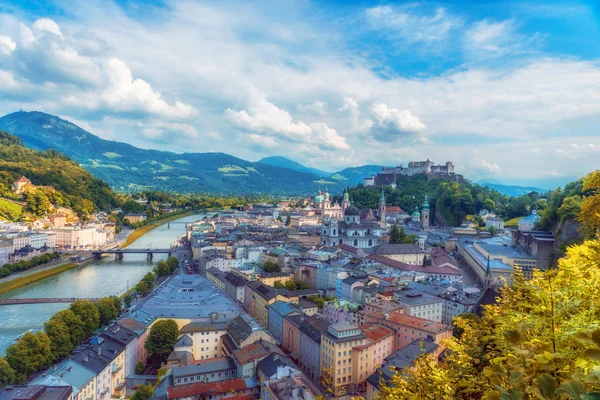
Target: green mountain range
{"x":128,"y":168}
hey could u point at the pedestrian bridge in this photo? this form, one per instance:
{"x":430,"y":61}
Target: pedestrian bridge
{"x":44,"y":300}
{"x":119,"y":252}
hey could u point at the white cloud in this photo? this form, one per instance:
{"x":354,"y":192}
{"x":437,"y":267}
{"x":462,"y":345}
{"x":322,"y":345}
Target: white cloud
{"x":412,"y":25}
{"x":261,"y":116}
{"x":576,"y":150}
{"x":7,"y":45}
{"x":493,"y":39}
{"x":351,"y":107}
{"x":47,"y":25}
{"x":318,"y":108}
{"x":391,"y":123}
{"x":479,"y":165}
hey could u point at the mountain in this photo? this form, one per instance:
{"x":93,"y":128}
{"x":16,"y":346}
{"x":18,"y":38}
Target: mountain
{"x":352,"y":176}
{"x":279,"y":161}
{"x":129,"y":168}
{"x":513,"y":190}
{"x":73,"y":186}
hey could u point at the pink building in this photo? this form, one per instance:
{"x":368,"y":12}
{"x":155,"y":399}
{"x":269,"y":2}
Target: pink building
{"x":290,"y":342}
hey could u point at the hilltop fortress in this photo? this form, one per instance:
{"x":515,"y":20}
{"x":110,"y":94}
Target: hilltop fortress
{"x":389,"y":175}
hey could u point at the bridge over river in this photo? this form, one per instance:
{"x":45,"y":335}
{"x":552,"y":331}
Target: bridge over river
{"x":45,"y":300}
{"x":119,"y":252}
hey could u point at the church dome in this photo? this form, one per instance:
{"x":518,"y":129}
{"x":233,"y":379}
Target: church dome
{"x":352,"y":210}
{"x":319,"y":198}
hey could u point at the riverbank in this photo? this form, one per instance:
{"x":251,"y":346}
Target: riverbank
{"x":139,"y":232}
{"x":37,"y":276}
{"x":49,"y":271}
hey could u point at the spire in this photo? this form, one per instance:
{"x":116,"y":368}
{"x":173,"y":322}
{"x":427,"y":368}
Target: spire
{"x":382,"y":197}
{"x":426,"y":203}
{"x":487,"y":271}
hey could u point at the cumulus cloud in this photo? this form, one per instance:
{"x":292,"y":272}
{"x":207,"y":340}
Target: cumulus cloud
{"x":318,"y":108}
{"x":350,"y":106}
{"x":261,"y":116}
{"x":390,"y":123}
{"x":484,"y":167}
{"x":79,"y":69}
{"x":7,"y":45}
{"x":576,"y":150}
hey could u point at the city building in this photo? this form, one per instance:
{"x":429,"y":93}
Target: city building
{"x":353,"y":231}
{"x":270,"y":278}
{"x":234,"y":287}
{"x":257,"y":299}
{"x":527,"y":223}
{"x":70,"y":373}
{"x":419,"y":304}
{"x":205,"y":338}
{"x":368,"y":357}
{"x":409,"y":253}
{"x":309,"y":359}
{"x":291,"y":334}
{"x":212,"y":370}
{"x":135,"y":218}
{"x":36,"y":392}
{"x":495,"y":222}
{"x":537,"y":244}
{"x":277,"y":311}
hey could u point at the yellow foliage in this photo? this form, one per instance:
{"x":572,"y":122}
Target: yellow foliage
{"x":589,"y":216}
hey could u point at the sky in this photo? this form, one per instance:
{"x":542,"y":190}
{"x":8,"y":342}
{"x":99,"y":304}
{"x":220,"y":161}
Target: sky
{"x":507,"y":90}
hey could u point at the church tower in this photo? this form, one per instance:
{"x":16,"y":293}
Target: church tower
{"x":425,"y":213}
{"x":382,"y":209}
{"x":346,"y":200}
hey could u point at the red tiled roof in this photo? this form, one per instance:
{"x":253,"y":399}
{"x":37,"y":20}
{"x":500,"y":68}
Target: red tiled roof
{"x":412,"y":322}
{"x":22,"y":179}
{"x":175,"y":392}
{"x":252,"y":352}
{"x":416,"y":268}
{"x":375,"y":332}
{"x":346,"y":248}
{"x":394,"y":209}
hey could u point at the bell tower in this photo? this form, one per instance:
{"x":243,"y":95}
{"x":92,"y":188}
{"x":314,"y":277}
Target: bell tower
{"x":381,"y":209}
{"x":425,"y":213}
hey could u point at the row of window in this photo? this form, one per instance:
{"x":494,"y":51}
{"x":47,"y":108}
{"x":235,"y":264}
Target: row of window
{"x":201,"y":378}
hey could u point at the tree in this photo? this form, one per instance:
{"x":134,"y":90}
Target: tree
{"x":108,"y":311}
{"x":493,"y":230}
{"x":89,"y":314}
{"x":139,"y":367}
{"x":30,"y":354}
{"x":37,"y":203}
{"x":161,"y":340}
{"x":142,"y":288}
{"x":143,"y":392}
{"x":319,"y":302}
{"x":74,"y":323}
{"x":288,"y":221}
{"x":489,"y":204}
{"x":148,"y":279}
{"x":395,"y":235}
{"x":541,"y":340}
{"x":127,"y":299}
{"x":479,"y":221}
{"x":270,"y":266}
{"x":60,"y":338}
{"x":570,"y":208}
{"x":118,"y":304}
{"x":279,"y":218}
{"x":278,"y":285}
{"x":7,"y":373}
{"x":589,"y":217}
{"x":173,"y":263}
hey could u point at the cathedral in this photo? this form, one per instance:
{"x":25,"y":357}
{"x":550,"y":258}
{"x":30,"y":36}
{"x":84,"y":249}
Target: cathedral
{"x":357,"y":229}
{"x":322,"y":205}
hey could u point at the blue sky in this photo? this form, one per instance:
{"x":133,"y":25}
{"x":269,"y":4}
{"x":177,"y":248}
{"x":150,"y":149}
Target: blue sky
{"x":507,"y":90}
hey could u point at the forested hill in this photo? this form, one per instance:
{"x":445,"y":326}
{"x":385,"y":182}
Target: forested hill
{"x":75,"y":187}
{"x":450,"y":202}
{"x":128,"y":168}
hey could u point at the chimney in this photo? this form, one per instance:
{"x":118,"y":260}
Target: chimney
{"x":99,"y":352}
{"x":85,"y":359}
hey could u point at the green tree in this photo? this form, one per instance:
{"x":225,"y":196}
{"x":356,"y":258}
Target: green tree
{"x":108,"y":311}
{"x":89,"y":314}
{"x":142,"y":288}
{"x":570,"y":208}
{"x":60,"y":338}
{"x":278,"y":285}
{"x":139,"y":367}
{"x":72,"y":321}
{"x":161,"y":340}
{"x":148,"y":279}
{"x":540,"y":340}
{"x":489,"y":204}
{"x":288,"y":221}
{"x":270,"y":266}
{"x":118,"y":304}
{"x":173,"y":263}
{"x":37,"y":203}
{"x":395,"y":235}
{"x":127,"y":299}
{"x":7,"y":373}
{"x":162,"y":268}
{"x":143,"y":392}
{"x":30,"y":354}
{"x":493,"y":230}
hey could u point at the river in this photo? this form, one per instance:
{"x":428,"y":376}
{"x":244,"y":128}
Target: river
{"x":100,"y":278}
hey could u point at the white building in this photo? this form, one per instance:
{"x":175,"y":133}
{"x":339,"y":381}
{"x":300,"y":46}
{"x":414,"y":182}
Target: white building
{"x":420,"y":304}
{"x":496,"y":222}
{"x":79,"y":237}
{"x":223,"y":264}
{"x":527,"y":223}
{"x":3,"y":257}
{"x":38,"y":240}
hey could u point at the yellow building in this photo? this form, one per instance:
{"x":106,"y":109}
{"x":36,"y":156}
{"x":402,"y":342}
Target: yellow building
{"x":257,"y":299}
{"x":336,"y":356}
{"x":406,"y":253}
{"x":271,"y":278}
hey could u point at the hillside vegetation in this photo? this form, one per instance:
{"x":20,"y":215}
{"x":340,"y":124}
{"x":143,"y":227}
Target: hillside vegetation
{"x":74,"y":187}
{"x":450,"y":202}
{"x":540,"y":341}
